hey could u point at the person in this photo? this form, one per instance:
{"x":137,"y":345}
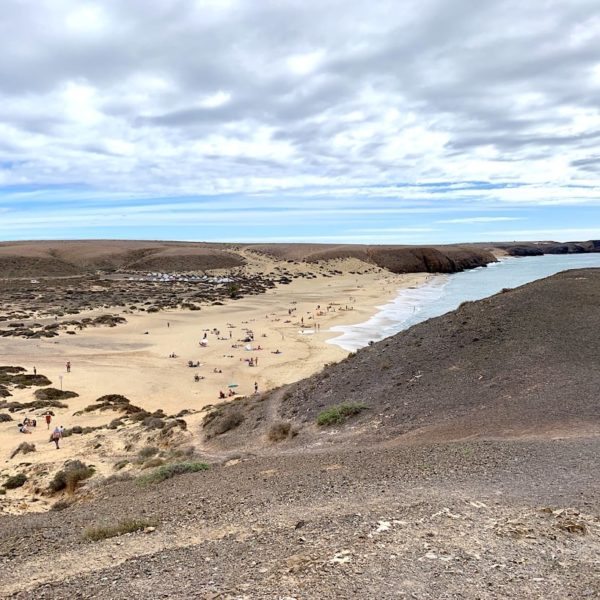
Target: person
{"x":48,"y":417}
{"x":68,"y":366}
{"x":196,"y":377}
{"x":222,"y":395}
{"x":56,"y":435}
{"x":168,"y":324}
{"x":256,"y":387}
{"x":23,"y":428}
{"x":34,"y":370}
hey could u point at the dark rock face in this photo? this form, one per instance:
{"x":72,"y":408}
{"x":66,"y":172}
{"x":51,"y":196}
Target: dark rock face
{"x":423,"y":259}
{"x":568,"y":248}
{"x":540,"y":248}
{"x":524,"y":251}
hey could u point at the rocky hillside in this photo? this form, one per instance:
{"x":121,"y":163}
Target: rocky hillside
{"x":521,"y":363}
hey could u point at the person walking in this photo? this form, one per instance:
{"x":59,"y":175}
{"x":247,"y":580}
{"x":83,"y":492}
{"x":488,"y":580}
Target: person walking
{"x":68,"y":366}
{"x":56,"y":436}
{"x":48,"y":417}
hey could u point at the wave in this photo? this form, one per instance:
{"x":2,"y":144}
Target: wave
{"x":392,"y":317}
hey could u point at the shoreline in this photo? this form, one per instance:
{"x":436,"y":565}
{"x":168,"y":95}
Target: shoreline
{"x":386,"y":321}
{"x":441,"y":293}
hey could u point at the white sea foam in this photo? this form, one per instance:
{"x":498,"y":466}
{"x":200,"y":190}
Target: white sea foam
{"x":444,"y":293}
{"x":390,"y":317}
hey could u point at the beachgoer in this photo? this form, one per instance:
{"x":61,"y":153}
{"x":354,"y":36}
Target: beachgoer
{"x":56,"y":435}
{"x":222,"y":395}
{"x":48,"y":419}
{"x":34,"y":371}
{"x":68,"y":366}
{"x":168,"y":324}
{"x":256,"y":387}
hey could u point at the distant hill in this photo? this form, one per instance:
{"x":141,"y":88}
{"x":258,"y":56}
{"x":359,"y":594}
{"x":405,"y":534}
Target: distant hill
{"x":520,"y":363}
{"x":67,"y":258}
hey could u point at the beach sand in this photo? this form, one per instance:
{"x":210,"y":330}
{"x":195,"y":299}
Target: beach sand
{"x":126,"y":360}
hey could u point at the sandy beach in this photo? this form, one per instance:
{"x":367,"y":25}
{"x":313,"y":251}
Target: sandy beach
{"x":257,"y":342}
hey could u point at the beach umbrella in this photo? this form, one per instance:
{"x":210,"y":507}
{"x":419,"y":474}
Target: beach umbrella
{"x":232,"y":385}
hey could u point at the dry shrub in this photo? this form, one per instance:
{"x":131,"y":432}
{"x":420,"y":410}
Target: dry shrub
{"x":148,"y":451}
{"x":221,"y":421}
{"x":279,"y":431}
{"x":153,"y":462}
{"x":15,"y":481}
{"x":61,"y":505}
{"x":54,"y":394}
{"x":68,"y":478}
{"x":103,"y":532}
{"x":23,"y":448}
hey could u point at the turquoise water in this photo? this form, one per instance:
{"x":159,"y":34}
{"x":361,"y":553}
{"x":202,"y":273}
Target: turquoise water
{"x":444,"y":293}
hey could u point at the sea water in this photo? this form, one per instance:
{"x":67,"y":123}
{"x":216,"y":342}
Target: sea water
{"x":443,"y":293}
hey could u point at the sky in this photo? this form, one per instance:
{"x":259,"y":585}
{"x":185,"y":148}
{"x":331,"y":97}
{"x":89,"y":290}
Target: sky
{"x":404,"y":121}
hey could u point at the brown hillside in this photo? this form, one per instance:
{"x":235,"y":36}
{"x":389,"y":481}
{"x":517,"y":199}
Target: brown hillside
{"x":67,"y":258}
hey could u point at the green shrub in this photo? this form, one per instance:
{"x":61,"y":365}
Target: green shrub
{"x":338,"y":414}
{"x":103,"y":532}
{"x":168,"y":471}
{"x":15,"y":481}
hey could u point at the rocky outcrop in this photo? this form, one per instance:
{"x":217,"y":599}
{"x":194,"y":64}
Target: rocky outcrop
{"x":540,"y":248}
{"x":423,"y":259}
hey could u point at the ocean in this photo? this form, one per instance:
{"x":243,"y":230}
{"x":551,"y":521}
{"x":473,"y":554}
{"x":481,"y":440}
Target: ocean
{"x":444,"y":293}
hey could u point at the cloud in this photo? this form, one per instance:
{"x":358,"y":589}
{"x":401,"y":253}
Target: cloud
{"x":493,"y":102}
{"x":475,"y":220}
